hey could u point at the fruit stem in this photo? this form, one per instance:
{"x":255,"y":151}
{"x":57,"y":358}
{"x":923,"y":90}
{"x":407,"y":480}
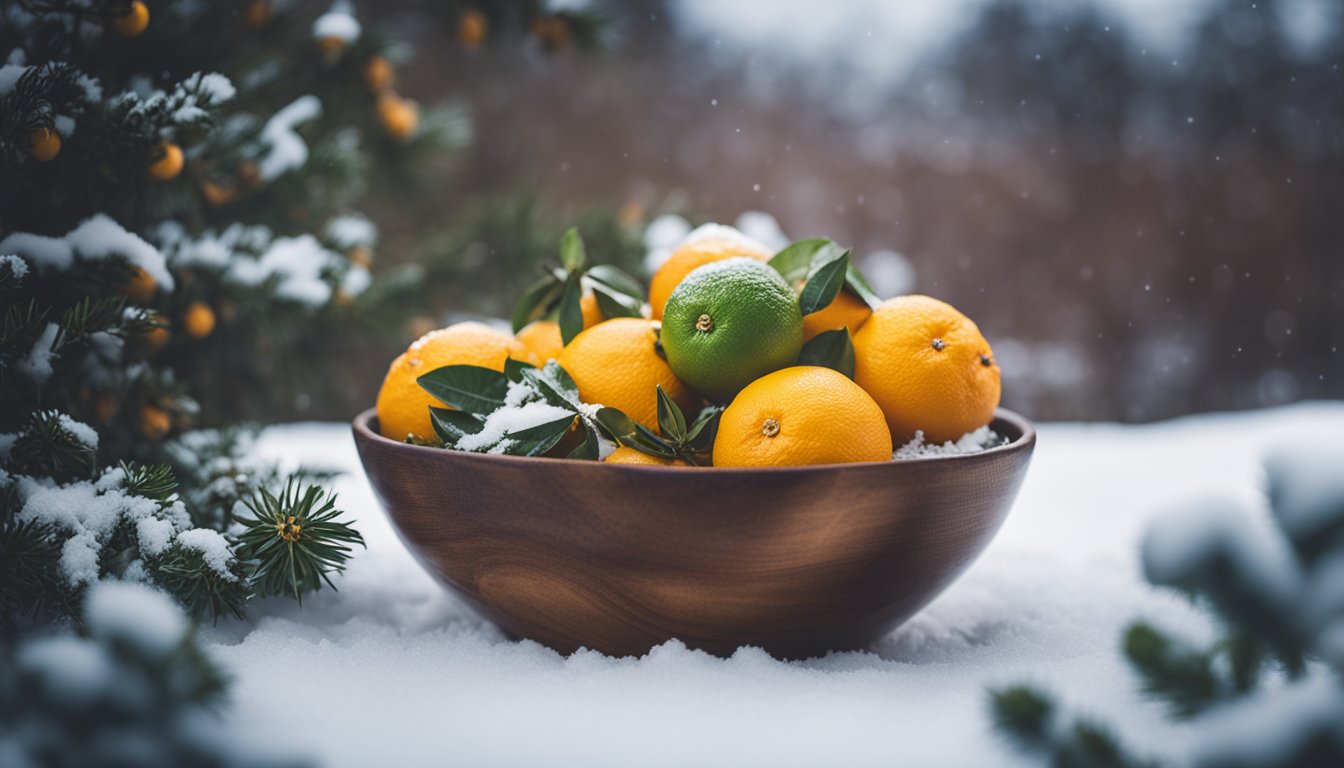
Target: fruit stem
{"x":704,"y":324}
{"x":770,"y":428}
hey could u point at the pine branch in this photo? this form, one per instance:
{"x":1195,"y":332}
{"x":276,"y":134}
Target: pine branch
{"x":46,"y":448}
{"x":293,"y":540}
{"x":1028,"y":718}
{"x":200,"y":589}
{"x":1181,"y":677}
{"x":155,"y":481}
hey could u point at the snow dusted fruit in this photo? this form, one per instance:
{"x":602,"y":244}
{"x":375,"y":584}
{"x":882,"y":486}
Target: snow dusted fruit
{"x":403,"y":406}
{"x":728,"y":323}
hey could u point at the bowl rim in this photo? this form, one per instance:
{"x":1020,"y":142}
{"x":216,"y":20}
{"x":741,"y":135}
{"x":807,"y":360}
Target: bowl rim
{"x":362,"y":425}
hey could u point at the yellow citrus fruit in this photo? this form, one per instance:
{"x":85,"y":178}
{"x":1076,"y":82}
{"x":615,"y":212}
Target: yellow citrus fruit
{"x":729,"y":323}
{"x":199,"y":320}
{"x":542,"y":340}
{"x":44,"y":143}
{"x":169,"y":162}
{"x":928,"y":367}
{"x":133,"y":21}
{"x":616,"y":364}
{"x":847,"y":311}
{"x":689,"y":256}
{"x":801,"y":415}
{"x":627,"y":455}
{"x":403,"y":406}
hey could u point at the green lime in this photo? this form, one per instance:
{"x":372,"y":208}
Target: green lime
{"x":729,"y":323}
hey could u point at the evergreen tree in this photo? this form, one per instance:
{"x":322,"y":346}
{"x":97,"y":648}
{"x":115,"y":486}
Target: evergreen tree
{"x":1270,"y":691}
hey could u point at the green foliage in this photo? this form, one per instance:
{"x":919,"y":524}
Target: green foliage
{"x":830,"y":349}
{"x":1272,"y":624}
{"x":293,"y":540}
{"x":692,"y":443}
{"x":559,"y":294}
{"x":153,"y":699}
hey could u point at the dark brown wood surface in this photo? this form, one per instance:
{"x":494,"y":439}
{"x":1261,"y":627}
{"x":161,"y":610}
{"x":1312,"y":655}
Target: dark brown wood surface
{"x":618,"y":558}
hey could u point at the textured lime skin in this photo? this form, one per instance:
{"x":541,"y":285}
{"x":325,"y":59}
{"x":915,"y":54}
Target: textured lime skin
{"x":757,"y":327}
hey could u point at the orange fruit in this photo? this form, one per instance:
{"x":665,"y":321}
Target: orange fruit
{"x":399,"y":117}
{"x":801,"y":415}
{"x":847,"y":311}
{"x":44,"y":143}
{"x":378,"y":74}
{"x":140,"y":287}
{"x":133,"y":21}
{"x":169,"y":162}
{"x":686,"y":258}
{"x":403,"y":407}
{"x":542,"y":340}
{"x":471,"y":28}
{"x":155,"y":423}
{"x":592,"y":311}
{"x":330,"y":46}
{"x":627,"y":455}
{"x":616,"y":364}
{"x":928,"y":367}
{"x":257,"y":14}
{"x":199,"y":320}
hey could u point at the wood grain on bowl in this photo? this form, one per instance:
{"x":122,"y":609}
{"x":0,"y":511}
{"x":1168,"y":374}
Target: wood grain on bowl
{"x":797,"y":560}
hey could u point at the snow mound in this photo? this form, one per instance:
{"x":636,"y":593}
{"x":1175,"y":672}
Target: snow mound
{"x":971,"y":442}
{"x":141,"y":617}
{"x":339,"y":22}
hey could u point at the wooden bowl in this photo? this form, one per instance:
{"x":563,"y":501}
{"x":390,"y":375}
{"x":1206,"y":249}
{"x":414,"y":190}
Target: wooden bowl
{"x":618,"y":558}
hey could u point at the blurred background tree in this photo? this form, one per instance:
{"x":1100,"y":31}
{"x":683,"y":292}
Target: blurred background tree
{"x":1139,"y":208}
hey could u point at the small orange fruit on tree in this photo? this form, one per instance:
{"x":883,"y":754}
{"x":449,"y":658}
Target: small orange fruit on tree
{"x":132,"y":21}
{"x":44,"y":143}
{"x":403,"y":406}
{"x":928,"y":367}
{"x":801,"y":415}
{"x":168,"y":161}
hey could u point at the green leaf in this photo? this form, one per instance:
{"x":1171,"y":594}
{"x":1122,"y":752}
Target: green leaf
{"x":537,"y":440}
{"x":670,"y":419}
{"x":857,"y":283}
{"x":536,"y":302}
{"x":470,"y":388}
{"x":830,"y":349}
{"x":588,"y":449}
{"x":513,"y":369}
{"x":703,"y":430}
{"x":452,"y":425}
{"x":571,"y":309}
{"x":824,"y":284}
{"x":629,"y":432}
{"x":554,"y":385}
{"x":796,"y":260}
{"x":615,"y":304}
{"x":616,"y":280}
{"x":572,"y":255}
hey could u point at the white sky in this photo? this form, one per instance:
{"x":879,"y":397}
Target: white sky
{"x":884,"y":37}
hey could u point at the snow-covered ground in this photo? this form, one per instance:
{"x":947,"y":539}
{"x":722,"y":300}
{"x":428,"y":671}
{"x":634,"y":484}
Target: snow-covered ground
{"x":393,"y":671}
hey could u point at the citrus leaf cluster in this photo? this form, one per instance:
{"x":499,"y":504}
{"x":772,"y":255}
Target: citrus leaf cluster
{"x":692,"y":443}
{"x":559,"y":294}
